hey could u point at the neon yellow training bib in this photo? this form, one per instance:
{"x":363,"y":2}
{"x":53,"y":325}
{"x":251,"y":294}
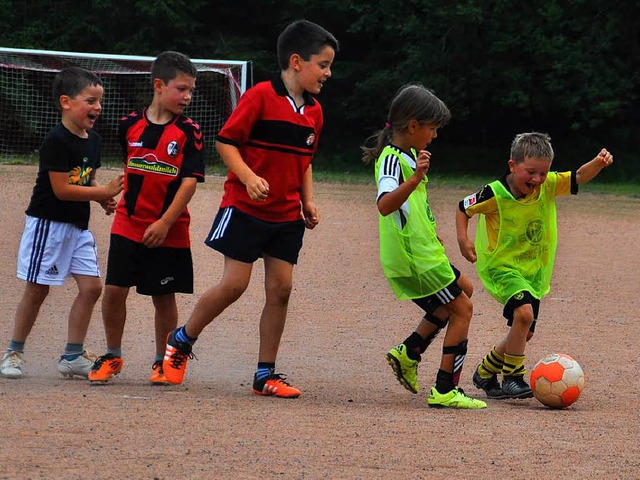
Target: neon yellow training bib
{"x":525,"y":250}
{"x":412,"y":257}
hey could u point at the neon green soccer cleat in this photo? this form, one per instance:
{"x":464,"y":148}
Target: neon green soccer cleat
{"x":456,"y":398}
{"x":406,"y":369}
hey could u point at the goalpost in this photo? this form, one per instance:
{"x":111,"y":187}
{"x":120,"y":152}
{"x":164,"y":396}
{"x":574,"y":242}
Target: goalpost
{"x":28,"y":111}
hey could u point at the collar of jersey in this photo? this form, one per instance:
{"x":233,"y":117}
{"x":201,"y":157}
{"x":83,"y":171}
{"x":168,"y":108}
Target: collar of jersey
{"x":278,"y":86}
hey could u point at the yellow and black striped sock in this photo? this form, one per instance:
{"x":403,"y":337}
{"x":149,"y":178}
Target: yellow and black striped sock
{"x":491,"y":364}
{"x":513,"y":365}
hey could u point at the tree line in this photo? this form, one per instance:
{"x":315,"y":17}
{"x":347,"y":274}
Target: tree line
{"x":569,"y":68}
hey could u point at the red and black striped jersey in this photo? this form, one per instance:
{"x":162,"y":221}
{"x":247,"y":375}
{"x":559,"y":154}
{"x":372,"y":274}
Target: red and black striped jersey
{"x":277,"y":141}
{"x":158,"y":157}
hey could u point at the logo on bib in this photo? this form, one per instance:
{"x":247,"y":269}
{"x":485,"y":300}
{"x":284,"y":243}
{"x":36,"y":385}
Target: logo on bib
{"x":534,"y":231}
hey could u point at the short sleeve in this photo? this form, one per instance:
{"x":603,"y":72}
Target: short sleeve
{"x":54,"y":154}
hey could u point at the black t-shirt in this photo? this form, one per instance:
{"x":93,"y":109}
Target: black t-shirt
{"x":62,"y":151}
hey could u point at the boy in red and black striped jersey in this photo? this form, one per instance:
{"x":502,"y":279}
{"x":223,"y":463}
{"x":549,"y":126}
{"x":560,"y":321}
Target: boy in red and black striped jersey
{"x":267,"y":145}
{"x":150,"y":243}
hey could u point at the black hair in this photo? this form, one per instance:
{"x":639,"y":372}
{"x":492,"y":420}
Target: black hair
{"x":71,"y":81}
{"x":169,"y":64}
{"x":304,"y":38}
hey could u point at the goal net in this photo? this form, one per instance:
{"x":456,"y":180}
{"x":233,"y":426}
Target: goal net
{"x":28,"y":111}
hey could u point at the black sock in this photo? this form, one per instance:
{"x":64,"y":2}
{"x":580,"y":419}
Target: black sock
{"x":444,"y":382}
{"x":415,"y":345}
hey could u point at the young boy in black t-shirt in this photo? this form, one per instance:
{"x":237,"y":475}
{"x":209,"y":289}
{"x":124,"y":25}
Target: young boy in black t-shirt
{"x":56,"y":242}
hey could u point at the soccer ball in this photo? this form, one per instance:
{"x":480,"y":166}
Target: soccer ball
{"x":557,"y":380}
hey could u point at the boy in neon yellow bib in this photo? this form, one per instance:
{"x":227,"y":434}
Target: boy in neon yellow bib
{"x":514,"y":251}
{"x":412,"y":256}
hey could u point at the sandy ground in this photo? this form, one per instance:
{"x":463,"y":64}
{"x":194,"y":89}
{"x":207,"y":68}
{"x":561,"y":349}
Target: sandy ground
{"x":353,"y":419}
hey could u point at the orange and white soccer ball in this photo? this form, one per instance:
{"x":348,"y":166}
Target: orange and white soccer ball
{"x":557,"y":380}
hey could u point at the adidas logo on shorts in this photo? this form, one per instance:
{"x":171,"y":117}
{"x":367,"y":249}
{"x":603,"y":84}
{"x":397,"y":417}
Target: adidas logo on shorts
{"x":53,"y":271}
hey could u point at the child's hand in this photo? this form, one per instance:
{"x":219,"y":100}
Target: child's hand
{"x":310,"y":215}
{"x":115,"y":186}
{"x":155,"y":234}
{"x":422,"y":164}
{"x":108,"y":205}
{"x":467,"y":249}
{"x":590,"y":170}
{"x":604,"y":158}
{"x":257,"y":188}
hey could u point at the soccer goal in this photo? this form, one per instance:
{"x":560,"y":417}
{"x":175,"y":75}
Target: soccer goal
{"x":28,"y":111}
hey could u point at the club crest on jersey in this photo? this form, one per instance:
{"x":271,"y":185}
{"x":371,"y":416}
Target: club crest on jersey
{"x":534,"y":231}
{"x":150,"y":163}
{"x":173,"y":149}
{"x":310,"y":139}
{"x":470,"y":201}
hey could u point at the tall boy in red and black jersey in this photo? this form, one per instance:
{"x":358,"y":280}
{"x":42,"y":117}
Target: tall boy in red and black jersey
{"x":150,"y":244}
{"x":267,"y":145}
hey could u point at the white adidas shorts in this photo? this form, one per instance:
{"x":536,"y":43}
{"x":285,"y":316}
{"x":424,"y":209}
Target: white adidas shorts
{"x":52,"y":251}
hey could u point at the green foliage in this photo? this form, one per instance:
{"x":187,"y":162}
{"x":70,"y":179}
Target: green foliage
{"x":569,"y":68}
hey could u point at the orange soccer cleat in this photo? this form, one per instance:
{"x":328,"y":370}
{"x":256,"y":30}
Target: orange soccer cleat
{"x":275,"y":385}
{"x":157,"y":375}
{"x":104,"y":368}
{"x":176,"y":355}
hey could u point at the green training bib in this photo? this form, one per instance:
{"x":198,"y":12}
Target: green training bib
{"x":525,"y":250}
{"x":412,"y":257}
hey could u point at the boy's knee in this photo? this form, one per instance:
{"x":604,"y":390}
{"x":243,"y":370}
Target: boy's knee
{"x":35,"y":293}
{"x":280,"y":293}
{"x":92,"y":291}
{"x":233,"y":291}
{"x":523,"y":316}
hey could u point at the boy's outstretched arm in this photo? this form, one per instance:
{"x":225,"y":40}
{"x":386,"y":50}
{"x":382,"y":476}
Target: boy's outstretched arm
{"x":590,"y":170}
{"x":467,"y":248}
{"x":257,"y":187}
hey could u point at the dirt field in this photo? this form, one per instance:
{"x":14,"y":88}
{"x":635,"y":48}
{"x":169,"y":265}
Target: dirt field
{"x":354,"y":420}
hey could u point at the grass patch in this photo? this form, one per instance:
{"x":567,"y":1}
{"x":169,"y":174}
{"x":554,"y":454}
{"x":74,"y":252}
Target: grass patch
{"x":19,"y":159}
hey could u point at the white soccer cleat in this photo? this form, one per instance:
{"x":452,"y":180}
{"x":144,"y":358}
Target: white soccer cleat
{"x":79,"y":366}
{"x":11,"y":366}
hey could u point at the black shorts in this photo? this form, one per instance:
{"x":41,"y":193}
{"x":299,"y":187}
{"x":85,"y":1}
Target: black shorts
{"x":447,"y":294}
{"x":153,"y":271}
{"x":245,"y":238}
{"x":519,"y":299}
